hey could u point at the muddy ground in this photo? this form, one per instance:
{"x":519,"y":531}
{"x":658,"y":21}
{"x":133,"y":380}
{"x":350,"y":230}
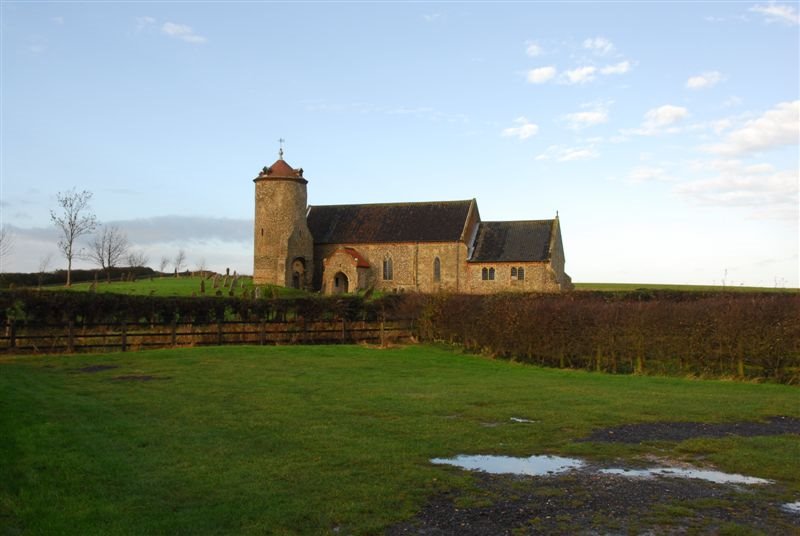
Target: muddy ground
{"x":591,"y":503}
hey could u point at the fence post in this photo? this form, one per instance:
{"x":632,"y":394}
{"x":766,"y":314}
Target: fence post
{"x":262,"y":332}
{"x":124,"y":336}
{"x":12,"y":333}
{"x":70,"y":336}
{"x":219,"y":332}
{"x":174,"y":332}
{"x":343,"y":340}
{"x":383,"y":337}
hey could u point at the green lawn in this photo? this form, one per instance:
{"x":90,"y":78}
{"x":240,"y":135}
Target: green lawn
{"x":286,"y":440}
{"x":177,"y":286}
{"x":624,"y":287}
{"x":188,"y":285}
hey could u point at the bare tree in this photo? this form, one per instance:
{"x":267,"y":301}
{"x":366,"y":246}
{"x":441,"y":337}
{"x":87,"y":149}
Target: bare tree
{"x":44,"y":266}
{"x":6,"y":245}
{"x":180,"y":261}
{"x":108,"y":248}
{"x":163,"y":264}
{"x":73,"y":220}
{"x":137,"y":259}
{"x":201,"y":267}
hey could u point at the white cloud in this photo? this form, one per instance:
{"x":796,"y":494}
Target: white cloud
{"x":144,"y":22}
{"x":618,"y":68}
{"x":523,"y":131}
{"x":704,"y":81}
{"x":432,"y":17}
{"x":770,"y":192}
{"x":541,"y":74}
{"x":664,"y":116}
{"x":580,"y":75}
{"x":599,"y":45}
{"x":182,"y":32}
{"x":659,"y":121}
{"x":561,"y":153}
{"x":595,"y":114}
{"x":777,"y":12}
{"x":775,"y":128}
{"x":533,"y":49}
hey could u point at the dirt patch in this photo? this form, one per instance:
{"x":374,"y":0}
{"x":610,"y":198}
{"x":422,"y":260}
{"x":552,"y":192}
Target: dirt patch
{"x":589,"y":502}
{"x":139,"y":378}
{"x":680,"y":431}
{"x":586,"y":502}
{"x":95,"y":368}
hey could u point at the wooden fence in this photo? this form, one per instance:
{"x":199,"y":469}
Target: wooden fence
{"x":125,"y":336}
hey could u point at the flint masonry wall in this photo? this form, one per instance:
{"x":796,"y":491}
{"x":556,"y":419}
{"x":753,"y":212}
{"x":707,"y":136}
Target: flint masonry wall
{"x":539,"y":277}
{"x":412,"y":265}
{"x":280,"y":230}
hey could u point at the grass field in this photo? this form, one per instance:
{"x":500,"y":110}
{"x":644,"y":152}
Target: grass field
{"x":302,"y":440}
{"x":622,"y":287}
{"x":177,"y":286}
{"x":187,"y":285}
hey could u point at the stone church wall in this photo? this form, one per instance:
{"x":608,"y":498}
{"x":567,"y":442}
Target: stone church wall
{"x":412,"y":265}
{"x":539,"y":277}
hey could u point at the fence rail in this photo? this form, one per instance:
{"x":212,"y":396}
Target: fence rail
{"x":20,"y":338}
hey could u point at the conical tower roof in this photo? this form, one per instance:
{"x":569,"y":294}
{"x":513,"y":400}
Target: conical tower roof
{"x":280,"y":170}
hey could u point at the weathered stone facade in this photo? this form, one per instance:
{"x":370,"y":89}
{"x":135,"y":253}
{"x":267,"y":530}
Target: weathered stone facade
{"x":283,"y":248}
{"x":397,"y":247}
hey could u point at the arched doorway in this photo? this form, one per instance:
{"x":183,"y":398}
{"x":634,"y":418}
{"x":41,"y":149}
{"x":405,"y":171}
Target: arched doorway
{"x":340,"y":283}
{"x":298,"y":272}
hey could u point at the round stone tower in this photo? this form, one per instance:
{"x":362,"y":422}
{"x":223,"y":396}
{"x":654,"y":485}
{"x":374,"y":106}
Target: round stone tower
{"x":283,"y":246}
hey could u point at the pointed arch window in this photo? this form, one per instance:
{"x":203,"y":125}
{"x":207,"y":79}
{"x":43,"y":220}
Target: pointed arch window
{"x":487,"y":274}
{"x":437,"y":270}
{"x":388,"y":272}
{"x":513,"y":272}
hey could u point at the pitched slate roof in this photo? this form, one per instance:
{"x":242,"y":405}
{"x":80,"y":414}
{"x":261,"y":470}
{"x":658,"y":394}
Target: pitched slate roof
{"x":513,"y":241}
{"x":437,"y":221}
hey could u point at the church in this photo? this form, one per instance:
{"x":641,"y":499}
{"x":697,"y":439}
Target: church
{"x":437,"y":246}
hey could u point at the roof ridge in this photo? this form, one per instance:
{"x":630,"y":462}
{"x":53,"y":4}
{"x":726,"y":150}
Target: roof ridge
{"x":452,"y":201}
{"x":518,"y":221}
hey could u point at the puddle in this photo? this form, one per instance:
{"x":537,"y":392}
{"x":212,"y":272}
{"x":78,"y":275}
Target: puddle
{"x":792,"y":508}
{"x":717,"y":477}
{"x":547,"y":465}
{"x":533,"y":466}
{"x":519,"y":419}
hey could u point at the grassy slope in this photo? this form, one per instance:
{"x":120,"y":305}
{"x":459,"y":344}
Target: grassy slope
{"x":621,"y":287}
{"x":174,"y":286}
{"x":304,"y":439}
{"x":185,"y":286}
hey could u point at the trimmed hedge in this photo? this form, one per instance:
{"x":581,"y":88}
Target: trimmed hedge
{"x":753,"y":335}
{"x":88,"y":307}
{"x":59,"y":277}
{"x":742,"y":335}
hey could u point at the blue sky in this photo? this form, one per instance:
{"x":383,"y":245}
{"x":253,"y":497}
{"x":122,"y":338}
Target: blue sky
{"x":664,"y":134}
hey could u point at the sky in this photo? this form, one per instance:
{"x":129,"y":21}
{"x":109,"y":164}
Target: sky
{"x":664,"y":134}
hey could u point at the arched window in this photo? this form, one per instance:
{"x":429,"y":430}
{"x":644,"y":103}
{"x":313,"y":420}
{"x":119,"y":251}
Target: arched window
{"x":437,"y":270}
{"x":387,"y":269}
{"x":485,"y":274}
{"x":513,"y":272}
{"x":491,"y":274}
{"x":521,"y":273}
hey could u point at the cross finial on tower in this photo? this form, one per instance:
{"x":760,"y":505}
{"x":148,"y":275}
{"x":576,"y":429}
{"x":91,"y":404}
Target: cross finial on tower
{"x":281,"y":141}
